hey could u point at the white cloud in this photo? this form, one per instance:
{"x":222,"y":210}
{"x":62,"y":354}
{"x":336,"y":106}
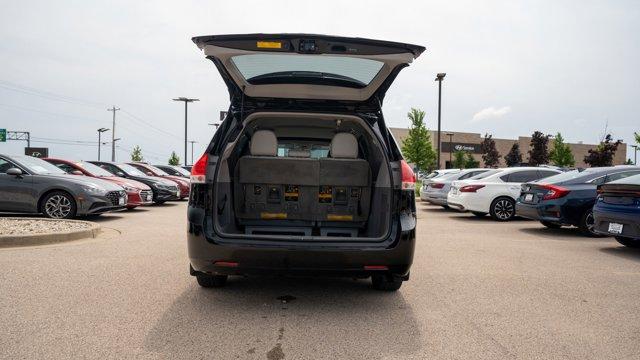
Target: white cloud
{"x":491,"y":113}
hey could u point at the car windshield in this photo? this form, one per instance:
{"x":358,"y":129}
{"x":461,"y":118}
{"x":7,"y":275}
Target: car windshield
{"x":157,"y":170}
{"x":271,"y":68}
{"x":180,"y":170}
{"x":485,"y":174}
{"x":93,"y":169}
{"x":39,"y":166}
{"x":131,"y":170}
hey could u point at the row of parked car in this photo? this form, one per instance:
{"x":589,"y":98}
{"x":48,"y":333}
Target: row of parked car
{"x":601,"y":201}
{"x":64,"y":189}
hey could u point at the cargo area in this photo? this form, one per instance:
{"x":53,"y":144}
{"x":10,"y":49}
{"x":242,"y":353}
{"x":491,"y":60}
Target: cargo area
{"x":312,"y":176}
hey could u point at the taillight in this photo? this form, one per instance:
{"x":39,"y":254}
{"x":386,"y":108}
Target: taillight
{"x":437,"y":185}
{"x":471,"y":188}
{"x":199,"y":169}
{"x":408,"y":177}
{"x":554,"y":192}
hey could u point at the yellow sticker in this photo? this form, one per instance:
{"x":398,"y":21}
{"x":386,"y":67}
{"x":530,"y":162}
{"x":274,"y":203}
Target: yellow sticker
{"x":272,"y":216}
{"x":332,"y":217}
{"x":269,"y":44}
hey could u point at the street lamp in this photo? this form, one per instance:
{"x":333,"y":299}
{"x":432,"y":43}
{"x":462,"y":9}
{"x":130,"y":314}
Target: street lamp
{"x":100,"y":131}
{"x":450,"y":135}
{"x":186,"y":101}
{"x":439,"y":78}
{"x":192,"y":142}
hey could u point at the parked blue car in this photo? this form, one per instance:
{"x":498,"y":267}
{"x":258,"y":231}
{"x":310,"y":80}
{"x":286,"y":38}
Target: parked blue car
{"x":617,"y":210}
{"x":567,"y":199}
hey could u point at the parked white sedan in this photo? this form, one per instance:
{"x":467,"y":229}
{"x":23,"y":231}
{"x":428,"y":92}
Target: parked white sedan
{"x":494,"y":192}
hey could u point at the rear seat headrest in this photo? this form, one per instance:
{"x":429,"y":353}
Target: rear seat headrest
{"x":344,"y":146}
{"x":264,"y":143}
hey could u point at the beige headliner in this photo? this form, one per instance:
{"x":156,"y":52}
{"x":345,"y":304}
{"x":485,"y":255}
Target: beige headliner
{"x":303,"y":91}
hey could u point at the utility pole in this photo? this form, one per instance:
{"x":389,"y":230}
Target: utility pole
{"x":635,"y":154}
{"x":439,"y":78}
{"x":186,"y":101}
{"x":113,"y":133}
{"x":192,"y":142}
{"x":100,"y":131}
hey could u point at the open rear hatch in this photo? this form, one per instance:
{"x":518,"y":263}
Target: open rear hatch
{"x":304,"y":66}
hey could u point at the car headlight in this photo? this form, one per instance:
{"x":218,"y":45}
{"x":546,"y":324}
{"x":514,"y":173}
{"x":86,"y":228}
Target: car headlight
{"x":128,"y":188}
{"x":94,"y":190}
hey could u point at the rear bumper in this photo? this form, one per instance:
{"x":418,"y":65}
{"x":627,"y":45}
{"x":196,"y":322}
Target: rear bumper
{"x":467,"y":202}
{"x":433,"y":198}
{"x":542,"y":212}
{"x":630,"y":222}
{"x":303,"y":259}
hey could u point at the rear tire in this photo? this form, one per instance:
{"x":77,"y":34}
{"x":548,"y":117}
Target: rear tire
{"x":446,"y":207}
{"x":551,"y":225}
{"x":386,"y":282}
{"x":479,"y":214}
{"x":628,"y":242}
{"x":211,"y":281}
{"x":503,"y":209}
{"x":587,"y":224}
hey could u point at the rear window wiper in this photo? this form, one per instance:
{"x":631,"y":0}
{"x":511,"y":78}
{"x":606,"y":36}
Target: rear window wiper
{"x":306,"y":77}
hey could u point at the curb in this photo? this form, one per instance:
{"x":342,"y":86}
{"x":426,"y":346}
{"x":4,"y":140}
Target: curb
{"x":7,"y":241}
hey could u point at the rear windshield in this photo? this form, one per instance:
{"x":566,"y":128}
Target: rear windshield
{"x":254,"y":66}
{"x":631,"y":180}
{"x":485,"y":174}
{"x":574,"y":176}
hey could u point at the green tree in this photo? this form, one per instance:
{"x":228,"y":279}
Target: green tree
{"x":539,"y":153}
{"x":514,"y":157}
{"x":604,"y":153}
{"x":561,"y":154}
{"x":136,"y":154}
{"x":417,"y":148}
{"x":629,"y":162}
{"x":458,"y":159}
{"x":637,"y":136}
{"x":174,"y":159}
{"x":470,"y":162}
{"x":490,"y":155}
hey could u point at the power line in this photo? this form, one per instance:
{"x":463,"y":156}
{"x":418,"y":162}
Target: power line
{"x":46,"y":94}
{"x":136,"y":118}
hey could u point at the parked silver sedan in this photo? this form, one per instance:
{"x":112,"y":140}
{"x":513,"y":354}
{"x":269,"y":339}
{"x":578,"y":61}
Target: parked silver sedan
{"x":436,"y":189}
{"x":32,"y":185}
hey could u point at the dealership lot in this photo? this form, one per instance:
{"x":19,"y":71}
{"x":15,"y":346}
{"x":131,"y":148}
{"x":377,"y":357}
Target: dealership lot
{"x":478,"y":289}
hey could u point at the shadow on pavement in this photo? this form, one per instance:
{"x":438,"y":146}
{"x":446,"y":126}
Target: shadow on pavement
{"x":622,"y":251}
{"x":323,"y":318}
{"x":559,"y":234}
{"x":103,"y":217}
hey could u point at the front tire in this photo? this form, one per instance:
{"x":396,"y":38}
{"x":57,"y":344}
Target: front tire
{"x":503,"y":209}
{"x":386,"y":282}
{"x":59,"y":205}
{"x":211,"y":281}
{"x":628,"y":242}
{"x":587,"y":225}
{"x":479,"y":214}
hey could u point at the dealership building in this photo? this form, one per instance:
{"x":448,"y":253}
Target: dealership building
{"x":470,"y":142}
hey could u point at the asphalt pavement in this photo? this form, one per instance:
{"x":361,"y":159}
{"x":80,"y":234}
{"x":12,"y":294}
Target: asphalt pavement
{"x":478,"y":290}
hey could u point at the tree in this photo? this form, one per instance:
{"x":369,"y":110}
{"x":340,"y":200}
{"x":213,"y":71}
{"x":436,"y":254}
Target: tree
{"x":470,"y":162}
{"x":417,"y":148}
{"x":459,"y":159}
{"x":637,"y":136}
{"x":604,"y":153}
{"x":490,"y":155}
{"x":629,"y":162}
{"x":136,"y":154}
{"x":561,"y":154}
{"x":539,"y":152}
{"x":174,"y":159}
{"x":514,"y":157}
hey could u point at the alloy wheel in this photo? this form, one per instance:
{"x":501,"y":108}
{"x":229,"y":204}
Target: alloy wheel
{"x":504,"y":209}
{"x":590,"y":222}
{"x":58,"y":206}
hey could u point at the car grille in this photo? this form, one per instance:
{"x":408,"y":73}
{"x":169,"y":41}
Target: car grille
{"x":144,"y":194}
{"x":114,"y":197}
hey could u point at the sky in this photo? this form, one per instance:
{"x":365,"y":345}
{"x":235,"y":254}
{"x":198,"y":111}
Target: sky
{"x":513,"y":67}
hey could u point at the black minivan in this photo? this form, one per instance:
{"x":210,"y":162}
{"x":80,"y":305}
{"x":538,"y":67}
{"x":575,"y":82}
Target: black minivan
{"x":303,"y":176}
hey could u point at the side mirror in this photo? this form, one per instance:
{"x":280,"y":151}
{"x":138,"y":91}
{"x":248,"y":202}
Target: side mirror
{"x":120,"y":173}
{"x":76,"y":172}
{"x":14,"y":172}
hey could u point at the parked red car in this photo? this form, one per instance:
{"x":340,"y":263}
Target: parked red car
{"x":137,"y":192}
{"x":183,"y":184}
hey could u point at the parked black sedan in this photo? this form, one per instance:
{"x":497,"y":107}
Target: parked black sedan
{"x":163,"y":190}
{"x":567,"y":199}
{"x":617,"y":210}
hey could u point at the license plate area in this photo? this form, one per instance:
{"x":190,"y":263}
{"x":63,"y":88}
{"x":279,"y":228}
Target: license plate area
{"x":615,"y":228}
{"x":528,"y":197}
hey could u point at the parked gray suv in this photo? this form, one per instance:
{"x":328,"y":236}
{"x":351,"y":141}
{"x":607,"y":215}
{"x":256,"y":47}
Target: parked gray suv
{"x":32,"y":185}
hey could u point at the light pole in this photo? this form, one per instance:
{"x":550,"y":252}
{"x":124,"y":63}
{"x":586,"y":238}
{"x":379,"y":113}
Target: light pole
{"x":439,"y":78}
{"x":100,"y":131}
{"x":635,"y":154}
{"x":192,"y":142}
{"x":186,"y":101}
{"x":450,"y":135}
